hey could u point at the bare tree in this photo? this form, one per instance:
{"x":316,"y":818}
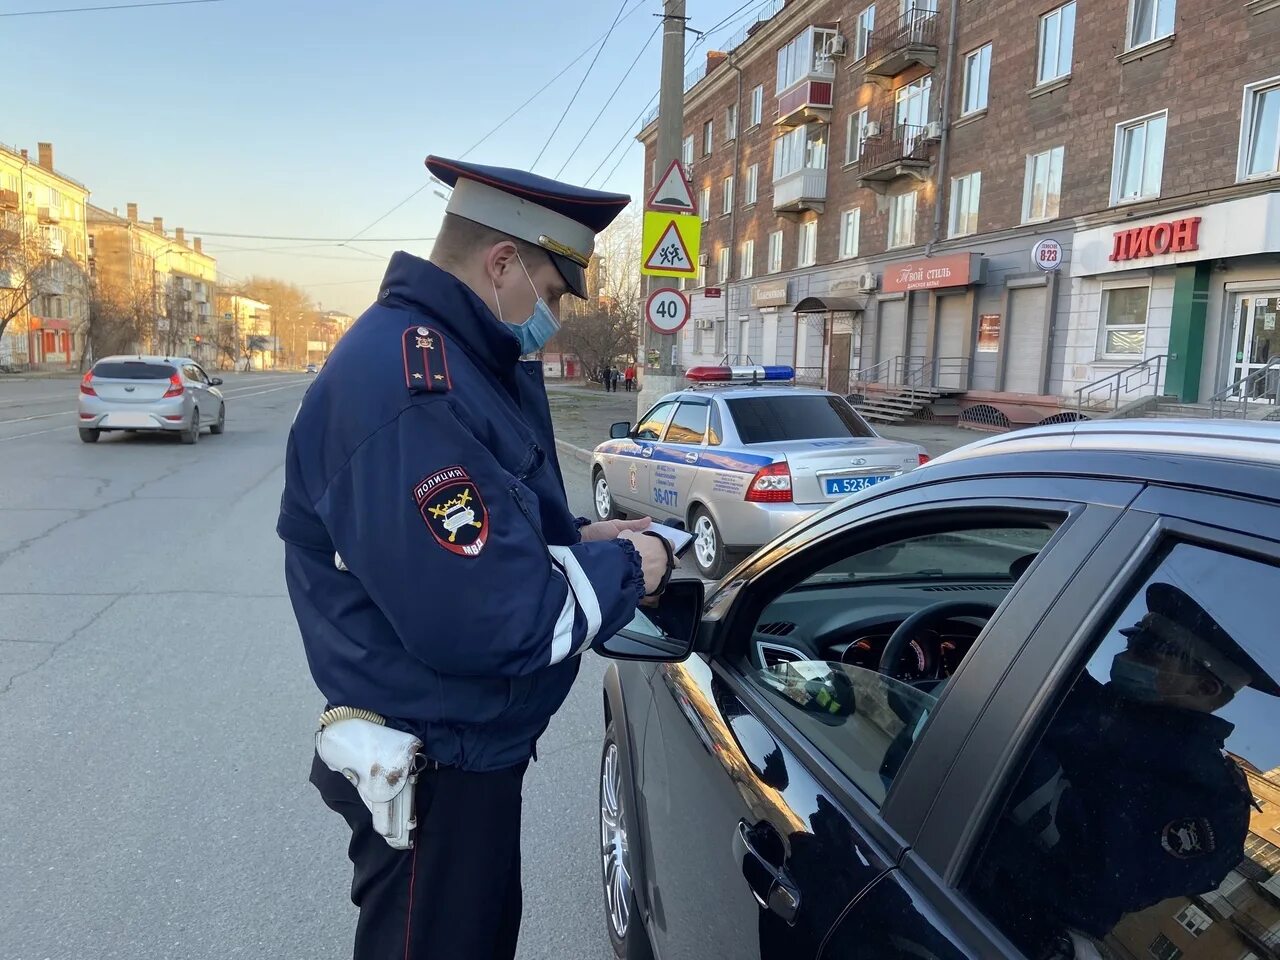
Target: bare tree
{"x":605,"y":327}
{"x":291,"y":309}
{"x":118,"y":321}
{"x":27,"y":271}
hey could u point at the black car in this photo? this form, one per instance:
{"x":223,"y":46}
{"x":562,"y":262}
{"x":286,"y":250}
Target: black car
{"x":1021,"y":702}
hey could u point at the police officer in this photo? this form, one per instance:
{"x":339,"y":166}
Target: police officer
{"x":1130,"y":799}
{"x":441,"y":584}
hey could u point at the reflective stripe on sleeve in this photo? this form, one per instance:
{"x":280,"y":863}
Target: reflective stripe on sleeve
{"x":581,"y":596}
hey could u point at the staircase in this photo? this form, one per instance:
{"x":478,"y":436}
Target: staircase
{"x":901,"y":388}
{"x":895,"y":403}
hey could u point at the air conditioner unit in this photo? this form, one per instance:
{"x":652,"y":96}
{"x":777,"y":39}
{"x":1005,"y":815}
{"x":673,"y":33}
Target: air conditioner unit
{"x":836,"y":47}
{"x":703,"y":259}
{"x":934,"y":130}
{"x":867,"y":282}
{"x":871,"y":130}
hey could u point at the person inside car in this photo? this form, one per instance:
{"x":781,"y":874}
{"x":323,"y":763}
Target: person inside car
{"x":1130,"y":799}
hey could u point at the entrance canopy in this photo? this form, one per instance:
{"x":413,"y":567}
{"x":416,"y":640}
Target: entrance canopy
{"x":831,"y":305}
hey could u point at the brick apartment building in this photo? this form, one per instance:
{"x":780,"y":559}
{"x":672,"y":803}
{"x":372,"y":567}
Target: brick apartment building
{"x":876,"y":177}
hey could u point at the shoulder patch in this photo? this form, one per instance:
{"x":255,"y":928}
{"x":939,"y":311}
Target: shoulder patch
{"x":453,"y":510}
{"x":426,"y":370}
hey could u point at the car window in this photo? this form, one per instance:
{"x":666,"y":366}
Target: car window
{"x":193,"y":373}
{"x":650,"y":427}
{"x":715,"y":433}
{"x":775,"y":418}
{"x":689,"y":425}
{"x":819,"y":647}
{"x":132,"y":370}
{"x":1145,"y":821}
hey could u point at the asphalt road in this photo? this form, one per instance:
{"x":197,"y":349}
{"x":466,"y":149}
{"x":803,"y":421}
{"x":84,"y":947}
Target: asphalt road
{"x":156,"y":710}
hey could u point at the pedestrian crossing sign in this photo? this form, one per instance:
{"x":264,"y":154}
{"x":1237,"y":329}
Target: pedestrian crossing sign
{"x":670,"y":246}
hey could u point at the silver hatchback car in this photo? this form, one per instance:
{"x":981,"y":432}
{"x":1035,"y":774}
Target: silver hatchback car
{"x":159,"y":394}
{"x":740,"y":458}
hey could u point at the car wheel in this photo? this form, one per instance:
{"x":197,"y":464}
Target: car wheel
{"x":626,"y":929}
{"x":221,"y":425}
{"x":708,"y":547}
{"x":90,"y":436}
{"x":192,"y":435}
{"x":605,"y":510}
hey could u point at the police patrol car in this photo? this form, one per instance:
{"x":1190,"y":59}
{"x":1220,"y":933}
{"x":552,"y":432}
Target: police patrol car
{"x":739,"y":457}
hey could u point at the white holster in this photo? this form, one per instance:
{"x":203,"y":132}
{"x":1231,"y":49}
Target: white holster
{"x":381,"y":764}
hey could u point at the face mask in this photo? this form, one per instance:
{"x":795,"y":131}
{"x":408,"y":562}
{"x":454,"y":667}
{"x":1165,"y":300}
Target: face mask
{"x":542,"y":325}
{"x":1137,"y":681}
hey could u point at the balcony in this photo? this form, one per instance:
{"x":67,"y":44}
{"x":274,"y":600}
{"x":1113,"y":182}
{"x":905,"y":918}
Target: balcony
{"x":896,"y":46}
{"x":902,"y":151}
{"x":809,"y":99}
{"x":8,"y":199}
{"x":803,"y":189}
{"x":49,"y":215}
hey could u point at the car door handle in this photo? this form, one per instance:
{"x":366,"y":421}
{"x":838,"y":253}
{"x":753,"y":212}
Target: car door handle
{"x":690,"y":458}
{"x":773,"y":889}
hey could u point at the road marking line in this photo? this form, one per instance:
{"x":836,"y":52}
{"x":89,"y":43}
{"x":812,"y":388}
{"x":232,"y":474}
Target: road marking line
{"x":236,"y":396}
{"x":38,"y":433}
{"x":42,"y":416}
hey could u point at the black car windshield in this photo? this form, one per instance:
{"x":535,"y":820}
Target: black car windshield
{"x":133,"y":370}
{"x":773,"y":419}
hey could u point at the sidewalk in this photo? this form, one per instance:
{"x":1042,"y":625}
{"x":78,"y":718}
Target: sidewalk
{"x":582,"y":416}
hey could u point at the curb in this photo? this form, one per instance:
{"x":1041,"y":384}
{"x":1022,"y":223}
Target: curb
{"x":579,"y":453}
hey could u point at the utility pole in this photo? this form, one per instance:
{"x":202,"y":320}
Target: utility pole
{"x":663,"y":376}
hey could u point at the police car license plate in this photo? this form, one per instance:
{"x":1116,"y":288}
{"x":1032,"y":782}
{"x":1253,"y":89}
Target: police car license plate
{"x":842,"y":486}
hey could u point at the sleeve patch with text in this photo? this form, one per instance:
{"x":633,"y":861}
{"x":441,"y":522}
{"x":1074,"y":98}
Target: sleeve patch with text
{"x":451,"y":506}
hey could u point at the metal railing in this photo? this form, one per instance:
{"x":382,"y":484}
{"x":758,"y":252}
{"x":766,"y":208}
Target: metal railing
{"x":904,"y":142}
{"x":1121,"y":384}
{"x":1261,"y":386}
{"x":882,"y":372}
{"x":918,"y":28}
{"x":917,"y":373}
{"x":811,"y":376}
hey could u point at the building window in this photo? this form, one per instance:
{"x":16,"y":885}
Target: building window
{"x":977,"y":80}
{"x":1139,"y":159}
{"x":1057,"y":43}
{"x":1042,"y":193}
{"x":731,"y":122}
{"x":1260,"y":130}
{"x":708,"y":137}
{"x":866,"y":27}
{"x":775,"y":252}
{"x":1162,"y":948}
{"x":965,"y":194}
{"x":757,"y":105}
{"x":807,"y":255}
{"x":753,"y":184}
{"x":728,"y":195}
{"x":912,"y":103}
{"x":855,"y":136}
{"x":702,"y":271}
{"x":686,"y":154}
{"x":704,"y":202}
{"x":1124,"y":322}
{"x":806,"y":54}
{"x":1194,"y":920}
{"x":748,"y":256}
{"x":850,"y":227}
{"x":1151,"y":20}
{"x":801,"y":148}
{"x":902,"y":220}
{"x":726,"y":258}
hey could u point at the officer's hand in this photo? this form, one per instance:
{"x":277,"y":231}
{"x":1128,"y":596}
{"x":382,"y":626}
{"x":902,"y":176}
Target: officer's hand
{"x":653,"y":557}
{"x":612,"y":529}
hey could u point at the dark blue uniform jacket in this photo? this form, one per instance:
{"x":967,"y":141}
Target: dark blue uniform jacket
{"x":433,"y":563}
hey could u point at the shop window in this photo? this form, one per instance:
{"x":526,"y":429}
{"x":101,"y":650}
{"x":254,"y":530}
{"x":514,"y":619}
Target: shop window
{"x":977,"y":80}
{"x":902,"y":220}
{"x":1260,"y":130}
{"x":965,"y":194}
{"x":1124,"y":321}
{"x":1042,"y":192}
{"x":1139,"y":159}
{"x":989,"y":333}
{"x":1057,"y":43}
{"x":1151,"y":20}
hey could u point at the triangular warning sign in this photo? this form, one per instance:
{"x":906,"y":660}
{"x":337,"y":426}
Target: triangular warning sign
{"x":671,"y":253}
{"x":673,"y":191}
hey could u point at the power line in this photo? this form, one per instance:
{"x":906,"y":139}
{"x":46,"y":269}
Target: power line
{"x":114,"y":6}
{"x":318,"y":240}
{"x":596,"y":119}
{"x":554,"y":130}
{"x":625,"y":133}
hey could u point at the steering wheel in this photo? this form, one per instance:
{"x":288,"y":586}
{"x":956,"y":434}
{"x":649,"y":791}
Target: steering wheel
{"x":936,"y":613}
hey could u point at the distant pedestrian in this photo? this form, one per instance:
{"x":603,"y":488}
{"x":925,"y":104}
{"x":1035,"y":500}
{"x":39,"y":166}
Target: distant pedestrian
{"x":630,"y":375}
{"x":614,"y":377}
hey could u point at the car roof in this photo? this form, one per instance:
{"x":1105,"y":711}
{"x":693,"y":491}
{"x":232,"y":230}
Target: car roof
{"x":733,"y":391}
{"x":142,"y":358}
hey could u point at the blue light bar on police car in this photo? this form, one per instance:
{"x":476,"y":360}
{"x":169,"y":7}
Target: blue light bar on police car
{"x":755,"y":374}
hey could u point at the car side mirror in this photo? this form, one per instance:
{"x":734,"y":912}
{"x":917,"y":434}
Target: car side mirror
{"x":664,"y":632}
{"x":620,"y":431}
{"x":215,"y":381}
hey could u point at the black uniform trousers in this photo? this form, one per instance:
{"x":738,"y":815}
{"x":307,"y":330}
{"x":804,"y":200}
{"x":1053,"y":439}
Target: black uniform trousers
{"x":456,"y":894}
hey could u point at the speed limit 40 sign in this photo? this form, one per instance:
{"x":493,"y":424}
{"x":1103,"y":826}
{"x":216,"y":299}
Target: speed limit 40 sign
{"x":667,"y":310}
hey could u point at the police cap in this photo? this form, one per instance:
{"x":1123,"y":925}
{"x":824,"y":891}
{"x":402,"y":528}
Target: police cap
{"x":558,"y":217}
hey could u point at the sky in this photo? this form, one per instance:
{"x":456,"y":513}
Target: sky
{"x":311,"y":118}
